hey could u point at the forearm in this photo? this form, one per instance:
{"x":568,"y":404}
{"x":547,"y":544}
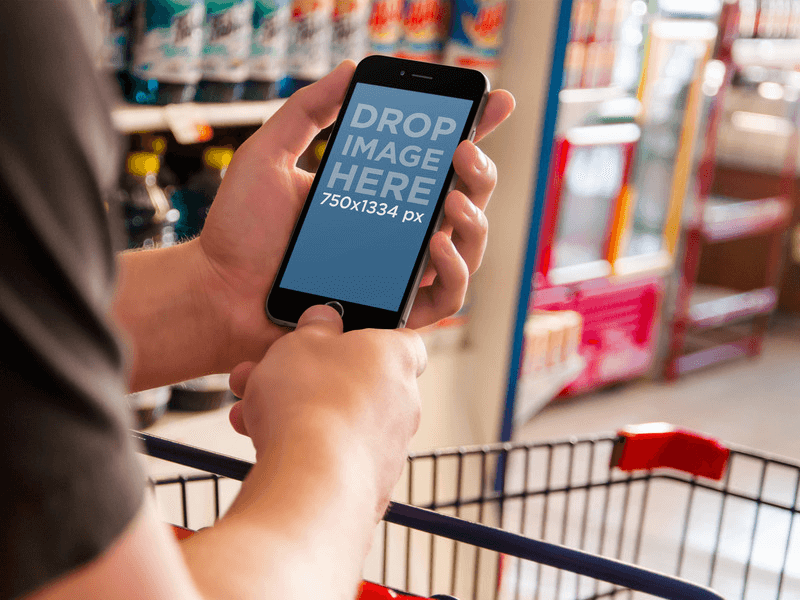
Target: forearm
{"x":299,"y":529}
{"x":167,"y":315}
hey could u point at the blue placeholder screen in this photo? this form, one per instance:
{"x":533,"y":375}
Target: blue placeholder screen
{"x":376,"y":196}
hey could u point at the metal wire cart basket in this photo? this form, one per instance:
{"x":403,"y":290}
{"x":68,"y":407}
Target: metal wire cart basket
{"x":594,"y":517}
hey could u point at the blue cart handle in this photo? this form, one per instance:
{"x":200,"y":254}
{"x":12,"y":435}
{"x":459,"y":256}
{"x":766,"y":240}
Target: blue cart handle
{"x":491,"y":538}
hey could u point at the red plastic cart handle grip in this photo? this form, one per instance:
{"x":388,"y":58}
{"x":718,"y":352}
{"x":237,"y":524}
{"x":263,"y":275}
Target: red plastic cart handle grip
{"x":660,"y":445}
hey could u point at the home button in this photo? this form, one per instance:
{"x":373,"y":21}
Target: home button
{"x":337,"y":306}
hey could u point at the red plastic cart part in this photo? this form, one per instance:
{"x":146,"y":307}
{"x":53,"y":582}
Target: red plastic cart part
{"x":663,"y":446}
{"x":373,"y":591}
{"x":181,"y":533}
{"x":366,"y":591}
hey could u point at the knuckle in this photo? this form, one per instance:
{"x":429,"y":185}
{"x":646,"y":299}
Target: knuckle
{"x":481,"y":223}
{"x":489,"y":178}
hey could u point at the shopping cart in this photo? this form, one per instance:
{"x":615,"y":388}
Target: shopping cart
{"x":591,"y":517}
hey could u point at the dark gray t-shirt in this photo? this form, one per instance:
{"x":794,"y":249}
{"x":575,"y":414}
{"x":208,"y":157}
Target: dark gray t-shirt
{"x":69,"y":478}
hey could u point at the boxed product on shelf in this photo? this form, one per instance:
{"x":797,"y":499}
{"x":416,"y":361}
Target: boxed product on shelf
{"x":550,"y":359}
{"x":552,"y":338}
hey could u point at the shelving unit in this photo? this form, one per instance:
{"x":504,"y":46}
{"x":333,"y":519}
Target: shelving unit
{"x":727,"y":219}
{"x":713,"y":324}
{"x":712,"y":306}
{"x":134,"y":119}
{"x":612,"y":190}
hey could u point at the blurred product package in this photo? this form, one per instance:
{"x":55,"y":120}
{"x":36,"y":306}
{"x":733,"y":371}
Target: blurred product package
{"x":350,"y":30}
{"x":193,"y":200}
{"x":551,"y":340}
{"x":594,"y":40}
{"x":426,"y":25}
{"x":149,"y":217}
{"x":149,"y":406}
{"x":308,"y":55}
{"x":202,"y":394}
{"x":267,"y":61}
{"x":167,"y":49}
{"x":116,"y":27}
{"x":385,"y":26}
{"x":227,"y":35}
{"x":476,"y":35}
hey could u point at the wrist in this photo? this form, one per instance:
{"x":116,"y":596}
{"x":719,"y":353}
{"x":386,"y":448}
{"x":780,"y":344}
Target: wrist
{"x":311,"y":485}
{"x":244,"y":331}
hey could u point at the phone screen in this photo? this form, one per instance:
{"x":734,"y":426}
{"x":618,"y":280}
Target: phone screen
{"x":377,"y":194}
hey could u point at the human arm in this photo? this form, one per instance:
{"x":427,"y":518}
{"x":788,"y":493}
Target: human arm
{"x":326,"y":464}
{"x":205,"y":300}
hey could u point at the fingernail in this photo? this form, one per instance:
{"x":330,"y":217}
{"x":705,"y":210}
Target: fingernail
{"x":321,"y":313}
{"x":481,"y":160}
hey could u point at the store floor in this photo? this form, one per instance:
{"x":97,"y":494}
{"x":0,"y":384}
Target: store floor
{"x":753,"y":402}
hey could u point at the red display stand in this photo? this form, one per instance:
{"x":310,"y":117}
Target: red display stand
{"x":712,"y":324}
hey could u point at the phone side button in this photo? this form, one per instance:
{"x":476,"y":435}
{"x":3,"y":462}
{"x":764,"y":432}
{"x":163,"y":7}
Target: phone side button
{"x":472,"y":133}
{"x":336,"y":306}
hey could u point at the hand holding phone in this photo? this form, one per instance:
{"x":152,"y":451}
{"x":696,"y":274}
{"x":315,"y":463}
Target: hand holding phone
{"x":361,"y":242}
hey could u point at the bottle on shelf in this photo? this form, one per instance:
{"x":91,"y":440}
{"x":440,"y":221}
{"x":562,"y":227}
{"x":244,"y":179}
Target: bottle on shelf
{"x":194,"y":199}
{"x":350,"y":38}
{"x":476,"y":35}
{"x":116,"y":25}
{"x":165,"y":63}
{"x":426,"y":25}
{"x":385,"y":26}
{"x":308,"y":55}
{"x":149,"y":216}
{"x":227,"y":35}
{"x":267,"y":61}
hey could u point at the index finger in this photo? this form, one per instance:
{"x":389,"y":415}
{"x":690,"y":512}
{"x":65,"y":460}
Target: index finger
{"x":499,"y":105}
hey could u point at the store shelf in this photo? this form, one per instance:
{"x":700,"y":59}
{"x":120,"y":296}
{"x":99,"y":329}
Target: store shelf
{"x":656,"y":262}
{"x":448,"y":335}
{"x":697,"y":360}
{"x":577,"y":106}
{"x":776,"y":54}
{"x":712,"y":306}
{"x":535,"y":391}
{"x":582,"y":272}
{"x":728,"y":219}
{"x":133,"y":119}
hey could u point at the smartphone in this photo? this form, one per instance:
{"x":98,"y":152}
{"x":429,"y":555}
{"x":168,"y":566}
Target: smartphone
{"x":361,"y":242}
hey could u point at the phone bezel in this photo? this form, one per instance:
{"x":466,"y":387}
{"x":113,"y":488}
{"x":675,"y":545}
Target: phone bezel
{"x":284,"y":306}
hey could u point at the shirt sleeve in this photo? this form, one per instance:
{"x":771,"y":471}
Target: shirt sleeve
{"x":71,"y":481}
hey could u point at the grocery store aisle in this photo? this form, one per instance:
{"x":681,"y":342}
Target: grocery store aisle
{"x":755,"y":402}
